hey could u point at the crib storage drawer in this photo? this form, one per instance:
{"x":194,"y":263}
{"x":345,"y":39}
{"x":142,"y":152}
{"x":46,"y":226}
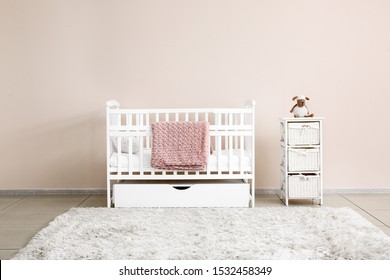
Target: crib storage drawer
{"x":181,"y":195}
{"x":304,"y":186}
{"x":303,"y":159}
{"x":301,"y":133}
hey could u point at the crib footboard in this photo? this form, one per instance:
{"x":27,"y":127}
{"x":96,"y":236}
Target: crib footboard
{"x":232,"y":141}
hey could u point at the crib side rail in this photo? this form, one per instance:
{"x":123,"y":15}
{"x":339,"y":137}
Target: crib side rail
{"x":231,"y":130}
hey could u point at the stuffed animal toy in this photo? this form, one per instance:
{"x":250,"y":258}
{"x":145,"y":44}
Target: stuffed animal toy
{"x":300,"y":110}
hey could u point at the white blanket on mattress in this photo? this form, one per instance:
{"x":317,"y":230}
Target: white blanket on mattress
{"x":212,"y":164}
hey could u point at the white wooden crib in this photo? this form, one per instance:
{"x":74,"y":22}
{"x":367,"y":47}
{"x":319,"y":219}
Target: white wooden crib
{"x":228,"y":180}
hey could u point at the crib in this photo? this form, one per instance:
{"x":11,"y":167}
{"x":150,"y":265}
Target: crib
{"x":228,"y":178}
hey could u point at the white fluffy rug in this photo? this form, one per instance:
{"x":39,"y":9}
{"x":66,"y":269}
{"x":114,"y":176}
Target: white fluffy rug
{"x":209,"y":233}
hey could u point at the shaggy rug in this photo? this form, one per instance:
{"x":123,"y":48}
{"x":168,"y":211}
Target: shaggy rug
{"x":209,"y":233}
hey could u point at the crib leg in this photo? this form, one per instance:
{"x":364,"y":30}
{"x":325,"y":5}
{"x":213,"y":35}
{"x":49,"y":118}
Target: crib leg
{"x":253,"y":192}
{"x":108,"y":194}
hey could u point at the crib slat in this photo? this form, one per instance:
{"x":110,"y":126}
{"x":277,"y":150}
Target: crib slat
{"x":210,"y":144}
{"x":119,"y":153}
{"x":129,"y":118}
{"x":130,"y":149}
{"x":141,"y":155}
{"x":129,"y":124}
{"x":167,"y":117}
{"x":241,"y":154}
{"x":119,"y":119}
{"x":235,"y":122}
{"x":227,"y":138}
{"x":139,"y":121}
{"x":218,"y":145}
{"x":138,"y":124}
{"x":226,"y":142}
{"x":147,"y":123}
{"x":230,"y":154}
{"x":231,"y":119}
{"x":219,"y":119}
{"x":230,"y":146}
{"x":196,"y":116}
{"x":219,"y":165}
{"x":157,"y":119}
{"x":206,"y":118}
{"x":186,"y":117}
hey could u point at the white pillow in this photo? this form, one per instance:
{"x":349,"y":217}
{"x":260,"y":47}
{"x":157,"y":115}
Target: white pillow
{"x":125,"y":145}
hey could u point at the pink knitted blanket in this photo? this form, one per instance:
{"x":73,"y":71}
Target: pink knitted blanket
{"x":180,"y":145}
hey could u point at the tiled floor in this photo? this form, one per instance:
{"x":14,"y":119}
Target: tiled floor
{"x":21,"y":216}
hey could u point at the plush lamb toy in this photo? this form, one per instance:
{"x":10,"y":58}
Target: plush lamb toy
{"x":300,"y":110}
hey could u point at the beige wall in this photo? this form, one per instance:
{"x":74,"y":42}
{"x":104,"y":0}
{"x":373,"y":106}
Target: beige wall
{"x":61,"y":60}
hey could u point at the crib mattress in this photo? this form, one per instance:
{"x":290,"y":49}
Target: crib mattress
{"x":212,"y":162}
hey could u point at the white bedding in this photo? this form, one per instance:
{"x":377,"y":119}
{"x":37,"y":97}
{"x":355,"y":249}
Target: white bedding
{"x":212,"y":162}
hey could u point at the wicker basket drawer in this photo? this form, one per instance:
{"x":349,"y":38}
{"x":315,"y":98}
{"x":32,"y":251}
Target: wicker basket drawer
{"x":304,"y":186}
{"x":303,"y":159}
{"x":304,"y":133}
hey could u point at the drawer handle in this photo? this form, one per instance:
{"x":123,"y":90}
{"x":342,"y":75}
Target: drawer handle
{"x":181,"y":188}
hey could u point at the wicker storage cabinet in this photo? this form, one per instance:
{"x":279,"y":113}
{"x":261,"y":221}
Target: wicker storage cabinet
{"x":301,"y":159}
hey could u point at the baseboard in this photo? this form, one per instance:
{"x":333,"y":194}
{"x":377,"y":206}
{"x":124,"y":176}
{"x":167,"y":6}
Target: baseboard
{"x":53,"y":191}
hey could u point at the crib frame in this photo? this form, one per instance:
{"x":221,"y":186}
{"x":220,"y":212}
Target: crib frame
{"x":230,"y":129}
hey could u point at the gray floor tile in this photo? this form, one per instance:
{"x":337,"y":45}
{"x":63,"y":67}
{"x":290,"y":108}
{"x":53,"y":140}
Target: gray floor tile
{"x":267,"y":195}
{"x":268,"y":202}
{"x":95,"y":201}
{"x":7,"y":254}
{"x":370,"y":201}
{"x":26,"y":219}
{"x":335,"y":200}
{"x":303,"y":202}
{"x":16,"y":238}
{"x":47,"y":203}
{"x":382,"y":215}
{"x":7,"y":200}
